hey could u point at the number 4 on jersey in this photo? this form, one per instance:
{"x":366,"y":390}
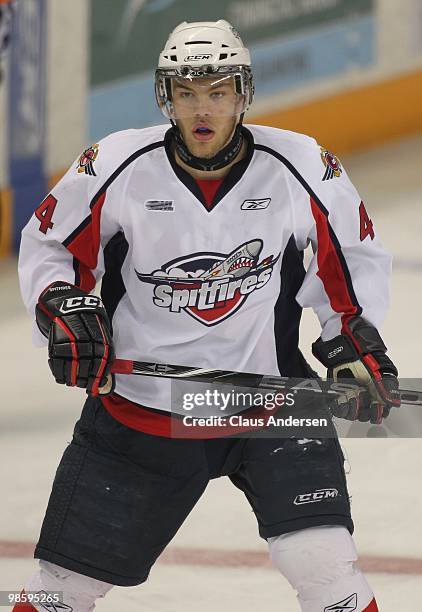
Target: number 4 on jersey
{"x":366,"y":225}
{"x":44,"y":213}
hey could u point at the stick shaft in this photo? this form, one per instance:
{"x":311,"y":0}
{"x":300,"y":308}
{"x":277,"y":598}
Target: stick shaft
{"x":146,"y":368}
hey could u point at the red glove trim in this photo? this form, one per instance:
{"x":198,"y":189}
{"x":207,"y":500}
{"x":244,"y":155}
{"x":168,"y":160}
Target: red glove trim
{"x":345,"y":329}
{"x":373,"y":365}
{"x":73,"y":346}
{"x":386,"y":395}
{"x":45,"y":310}
{"x":95,"y":386}
{"x":357,"y":409}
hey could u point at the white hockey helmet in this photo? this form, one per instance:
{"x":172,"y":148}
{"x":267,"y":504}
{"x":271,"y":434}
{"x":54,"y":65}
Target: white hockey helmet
{"x":204,"y":50}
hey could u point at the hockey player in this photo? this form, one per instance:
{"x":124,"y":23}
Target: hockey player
{"x":197,"y":231}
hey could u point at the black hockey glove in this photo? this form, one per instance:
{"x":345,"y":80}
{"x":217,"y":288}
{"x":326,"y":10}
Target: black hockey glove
{"x":359,"y":353}
{"x":80,"y":346}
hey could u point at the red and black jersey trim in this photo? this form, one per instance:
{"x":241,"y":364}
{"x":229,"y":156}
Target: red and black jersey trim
{"x":287,"y":315}
{"x":112,"y":286}
{"x":142,"y":418}
{"x":333,"y":269}
{"x":84,"y":241}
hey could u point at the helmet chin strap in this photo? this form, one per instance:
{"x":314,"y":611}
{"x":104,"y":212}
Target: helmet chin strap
{"x":223,"y":158}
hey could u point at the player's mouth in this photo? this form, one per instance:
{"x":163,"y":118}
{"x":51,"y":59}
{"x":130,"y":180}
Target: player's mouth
{"x":203,"y":133}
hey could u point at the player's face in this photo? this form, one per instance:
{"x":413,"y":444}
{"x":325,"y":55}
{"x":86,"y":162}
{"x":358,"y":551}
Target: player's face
{"x":206,"y":111}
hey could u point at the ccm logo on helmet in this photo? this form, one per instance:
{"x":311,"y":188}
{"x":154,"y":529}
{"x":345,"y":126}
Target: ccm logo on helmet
{"x":316,"y":496}
{"x":198,"y":58}
{"x":74,"y":304}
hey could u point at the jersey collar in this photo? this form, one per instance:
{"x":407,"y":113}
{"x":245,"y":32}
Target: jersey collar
{"x":233,"y":177}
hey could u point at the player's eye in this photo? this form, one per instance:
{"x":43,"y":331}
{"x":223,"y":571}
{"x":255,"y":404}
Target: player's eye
{"x":217,"y":95}
{"x":185,"y":95}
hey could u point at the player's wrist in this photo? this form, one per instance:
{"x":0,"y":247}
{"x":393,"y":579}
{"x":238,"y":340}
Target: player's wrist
{"x":364,"y":335}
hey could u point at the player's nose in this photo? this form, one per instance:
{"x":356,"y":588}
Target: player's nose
{"x":202,"y":107}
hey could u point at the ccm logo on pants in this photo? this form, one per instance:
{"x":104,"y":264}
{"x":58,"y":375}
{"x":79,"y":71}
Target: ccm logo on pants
{"x":316,"y":496}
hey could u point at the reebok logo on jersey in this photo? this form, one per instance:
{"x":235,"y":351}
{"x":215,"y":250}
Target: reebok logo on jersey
{"x":316,"y":496}
{"x":165,"y":205}
{"x":211,"y":287}
{"x":256,"y":204}
{"x":346,"y":605}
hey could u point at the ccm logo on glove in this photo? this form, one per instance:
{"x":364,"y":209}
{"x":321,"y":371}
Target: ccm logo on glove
{"x":82,"y":302}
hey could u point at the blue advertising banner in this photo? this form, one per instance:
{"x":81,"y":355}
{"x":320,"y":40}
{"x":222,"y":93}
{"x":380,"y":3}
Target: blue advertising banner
{"x":127,"y":35}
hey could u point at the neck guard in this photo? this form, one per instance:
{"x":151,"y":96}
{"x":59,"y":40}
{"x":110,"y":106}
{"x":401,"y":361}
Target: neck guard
{"x":222,"y":159}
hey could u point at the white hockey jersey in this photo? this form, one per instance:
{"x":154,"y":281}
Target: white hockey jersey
{"x":220,"y":287}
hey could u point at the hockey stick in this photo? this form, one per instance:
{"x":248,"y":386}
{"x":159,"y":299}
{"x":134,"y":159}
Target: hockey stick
{"x":210,"y":375}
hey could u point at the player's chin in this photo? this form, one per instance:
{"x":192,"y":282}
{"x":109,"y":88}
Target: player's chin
{"x":209,"y":152}
{"x":206,"y":150}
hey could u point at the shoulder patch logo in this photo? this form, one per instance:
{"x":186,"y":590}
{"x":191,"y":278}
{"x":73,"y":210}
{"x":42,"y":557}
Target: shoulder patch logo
{"x":256,"y":204}
{"x":164,"y":205}
{"x":332,"y":165}
{"x":87,"y":159}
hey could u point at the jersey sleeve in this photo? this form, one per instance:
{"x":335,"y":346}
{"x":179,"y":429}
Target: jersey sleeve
{"x":65,"y":237}
{"x":349,"y":273}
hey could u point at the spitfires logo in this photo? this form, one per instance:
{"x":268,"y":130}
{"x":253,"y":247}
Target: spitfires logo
{"x":211,"y":286}
{"x":87,"y":159}
{"x":332,"y":165}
